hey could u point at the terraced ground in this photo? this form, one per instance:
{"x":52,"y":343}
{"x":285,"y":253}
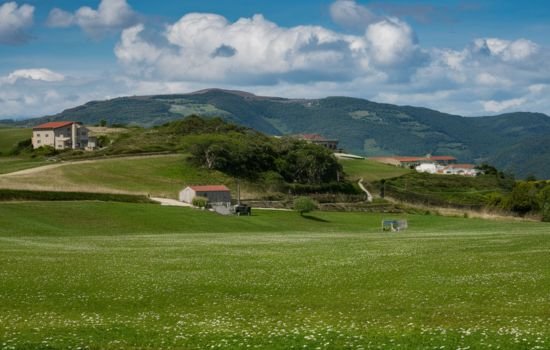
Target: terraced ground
{"x":121,"y":276}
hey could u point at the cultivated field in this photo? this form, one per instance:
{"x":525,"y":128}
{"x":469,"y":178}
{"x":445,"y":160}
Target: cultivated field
{"x":116,"y":276}
{"x":370,"y":170}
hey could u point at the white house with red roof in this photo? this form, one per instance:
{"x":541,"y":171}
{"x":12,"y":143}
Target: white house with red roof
{"x":216,"y":194}
{"x":61,"y":135}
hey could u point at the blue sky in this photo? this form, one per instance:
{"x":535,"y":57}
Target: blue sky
{"x":464,"y":57}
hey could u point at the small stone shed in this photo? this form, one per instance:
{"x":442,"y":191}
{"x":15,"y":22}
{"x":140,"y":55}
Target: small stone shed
{"x":216,"y":194}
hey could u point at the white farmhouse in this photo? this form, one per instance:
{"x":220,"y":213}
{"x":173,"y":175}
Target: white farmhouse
{"x":60,"y":135}
{"x":430,"y":168}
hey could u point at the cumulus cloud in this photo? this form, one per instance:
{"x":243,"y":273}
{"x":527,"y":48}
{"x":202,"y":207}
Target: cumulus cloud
{"x":34,"y":92}
{"x":391,"y":41}
{"x":14,"y":23}
{"x":208,"y":47}
{"x":42,"y":74}
{"x":506,"y":50}
{"x":111,"y":15}
{"x":350,"y":14}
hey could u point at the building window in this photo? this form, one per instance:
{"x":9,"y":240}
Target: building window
{"x":46,"y":135}
{"x":38,"y":141}
{"x":37,"y":135}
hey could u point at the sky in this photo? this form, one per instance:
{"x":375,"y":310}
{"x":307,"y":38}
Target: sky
{"x":463,"y":57}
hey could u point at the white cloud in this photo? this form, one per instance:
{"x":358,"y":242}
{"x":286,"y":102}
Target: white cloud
{"x":391,"y":41}
{"x":508,"y":51}
{"x":348,"y":13}
{"x":42,"y":74}
{"x":499,"y":106}
{"x":207,"y":47}
{"x":59,"y":18}
{"x":111,"y":15}
{"x":14,"y":22}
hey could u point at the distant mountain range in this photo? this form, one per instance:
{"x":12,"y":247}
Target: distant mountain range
{"x":516,"y":142}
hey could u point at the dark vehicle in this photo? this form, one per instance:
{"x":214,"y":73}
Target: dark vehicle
{"x":242,"y":209}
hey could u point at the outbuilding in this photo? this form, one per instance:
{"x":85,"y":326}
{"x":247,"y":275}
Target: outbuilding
{"x":216,"y":194}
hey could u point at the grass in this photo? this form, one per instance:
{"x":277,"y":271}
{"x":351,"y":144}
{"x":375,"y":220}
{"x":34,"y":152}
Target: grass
{"x":9,"y":137}
{"x":370,"y":170}
{"x":11,"y":164}
{"x":446,"y":189}
{"x":157,"y":175}
{"x":117,"y":276}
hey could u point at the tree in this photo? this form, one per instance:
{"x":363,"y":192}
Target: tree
{"x":103,"y":122}
{"x":544,"y":203}
{"x":523,"y":198}
{"x":304,"y":205}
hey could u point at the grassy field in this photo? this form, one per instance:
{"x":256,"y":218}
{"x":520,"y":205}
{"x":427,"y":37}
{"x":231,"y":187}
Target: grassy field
{"x":116,"y":276}
{"x":370,"y":170}
{"x":11,"y":164}
{"x":9,"y":137}
{"x":157,"y":175}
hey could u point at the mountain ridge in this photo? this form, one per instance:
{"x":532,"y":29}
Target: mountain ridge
{"x":361,"y":125}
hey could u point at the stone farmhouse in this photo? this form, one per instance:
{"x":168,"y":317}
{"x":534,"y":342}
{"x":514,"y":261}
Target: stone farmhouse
{"x":62,"y":135}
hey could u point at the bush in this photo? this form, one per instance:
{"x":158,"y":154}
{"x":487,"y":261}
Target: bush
{"x":22,"y":146}
{"x":46,"y":151}
{"x":200,"y":202}
{"x":304,"y":205}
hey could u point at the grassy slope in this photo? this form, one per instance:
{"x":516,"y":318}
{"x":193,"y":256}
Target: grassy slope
{"x":9,"y":137}
{"x":370,"y":170}
{"x":158,"y":175}
{"x":112,"y":275}
{"x":11,"y":164}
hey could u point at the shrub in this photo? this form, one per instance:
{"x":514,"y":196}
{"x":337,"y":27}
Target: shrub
{"x":200,"y":202}
{"x":304,"y":205}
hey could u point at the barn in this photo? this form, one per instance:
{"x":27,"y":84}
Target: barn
{"x":216,"y":194}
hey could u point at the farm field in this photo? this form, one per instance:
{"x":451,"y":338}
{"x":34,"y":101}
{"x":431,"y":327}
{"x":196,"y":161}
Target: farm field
{"x":161,"y":176}
{"x":115,"y":275}
{"x":370,"y":170}
{"x":9,"y":137}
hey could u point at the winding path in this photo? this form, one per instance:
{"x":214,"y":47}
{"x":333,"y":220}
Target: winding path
{"x":369,"y":196}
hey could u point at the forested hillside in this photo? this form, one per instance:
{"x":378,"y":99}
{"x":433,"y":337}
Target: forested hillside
{"x":516,"y":142}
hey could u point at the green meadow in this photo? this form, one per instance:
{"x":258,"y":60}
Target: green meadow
{"x":9,"y":137}
{"x":370,"y":170}
{"x":124,"y":276}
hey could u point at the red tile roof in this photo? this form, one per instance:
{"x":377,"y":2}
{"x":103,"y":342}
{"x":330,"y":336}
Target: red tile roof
{"x":214,"y":188}
{"x":53,"y":125}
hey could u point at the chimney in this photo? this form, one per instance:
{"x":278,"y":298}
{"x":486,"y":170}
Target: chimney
{"x":73,"y":136}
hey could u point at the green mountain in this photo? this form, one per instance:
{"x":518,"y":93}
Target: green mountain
{"x":515,"y":142}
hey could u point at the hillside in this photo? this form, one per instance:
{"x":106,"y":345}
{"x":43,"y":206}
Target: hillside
{"x":362,"y":126}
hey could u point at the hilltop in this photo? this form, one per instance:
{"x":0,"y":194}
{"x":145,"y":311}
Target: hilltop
{"x":515,"y":142}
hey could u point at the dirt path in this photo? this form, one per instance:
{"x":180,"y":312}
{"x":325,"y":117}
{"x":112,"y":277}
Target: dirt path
{"x":369,"y":196}
{"x":62,"y":163}
{"x":170,"y":202}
